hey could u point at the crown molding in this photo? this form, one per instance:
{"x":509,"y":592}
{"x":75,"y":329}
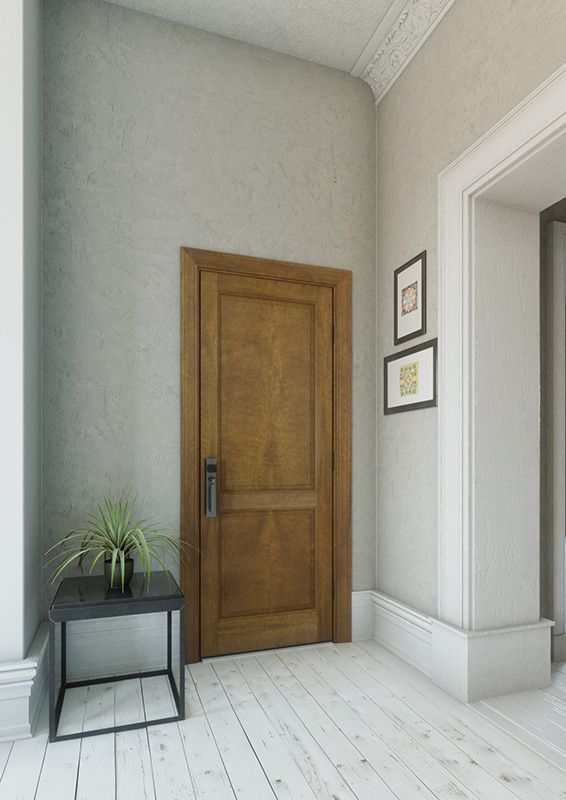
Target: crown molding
{"x":397,"y":41}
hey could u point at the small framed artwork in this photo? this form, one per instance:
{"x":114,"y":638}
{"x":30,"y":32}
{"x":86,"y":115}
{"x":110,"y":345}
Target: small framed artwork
{"x":410,"y":378}
{"x":410,"y":299}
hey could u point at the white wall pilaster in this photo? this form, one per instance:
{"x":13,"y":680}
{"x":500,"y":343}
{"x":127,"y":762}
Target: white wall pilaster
{"x":489,"y":453}
{"x":20,"y":346}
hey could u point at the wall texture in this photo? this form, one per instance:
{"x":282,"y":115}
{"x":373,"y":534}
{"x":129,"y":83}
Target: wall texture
{"x":477,"y":65}
{"x":156,"y":136}
{"x":506,"y":574}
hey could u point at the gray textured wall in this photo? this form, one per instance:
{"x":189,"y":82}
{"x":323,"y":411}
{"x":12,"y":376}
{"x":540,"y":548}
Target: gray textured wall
{"x":157,"y":136}
{"x":477,"y":65}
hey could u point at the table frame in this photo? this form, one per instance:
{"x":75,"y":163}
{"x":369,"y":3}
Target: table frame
{"x":116,"y":609}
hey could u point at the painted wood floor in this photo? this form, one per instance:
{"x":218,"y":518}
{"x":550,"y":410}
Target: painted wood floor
{"x":334,"y":722}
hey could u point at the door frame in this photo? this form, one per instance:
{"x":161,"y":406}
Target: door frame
{"x":555,"y":343}
{"x":501,"y":152}
{"x":193,"y":263}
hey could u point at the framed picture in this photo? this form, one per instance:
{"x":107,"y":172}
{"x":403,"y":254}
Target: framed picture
{"x":410,"y":299}
{"x":410,"y":378}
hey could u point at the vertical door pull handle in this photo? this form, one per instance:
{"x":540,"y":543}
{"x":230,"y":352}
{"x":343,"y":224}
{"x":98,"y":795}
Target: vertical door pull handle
{"x":210,"y":487}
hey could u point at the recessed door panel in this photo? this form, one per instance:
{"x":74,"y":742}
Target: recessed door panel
{"x":267,"y":562}
{"x":267,"y":360}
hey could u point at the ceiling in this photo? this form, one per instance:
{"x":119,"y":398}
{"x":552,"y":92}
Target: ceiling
{"x":337,"y":33}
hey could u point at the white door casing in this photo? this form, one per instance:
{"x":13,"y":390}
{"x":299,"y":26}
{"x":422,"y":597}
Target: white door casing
{"x":535,"y":124}
{"x":556,"y":443}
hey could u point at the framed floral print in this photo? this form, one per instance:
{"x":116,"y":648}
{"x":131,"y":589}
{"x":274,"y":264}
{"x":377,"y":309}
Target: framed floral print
{"x":410,"y":299}
{"x":410,"y":378}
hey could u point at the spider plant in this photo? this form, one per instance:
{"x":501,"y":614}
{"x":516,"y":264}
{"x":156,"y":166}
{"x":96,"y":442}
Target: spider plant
{"x":113,"y":534}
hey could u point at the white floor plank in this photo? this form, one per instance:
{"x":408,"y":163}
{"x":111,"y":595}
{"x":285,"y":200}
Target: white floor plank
{"x":537,"y":712}
{"x":400,"y":778}
{"x":247,"y":777}
{"x":356,"y":770}
{"x":97,"y":778}
{"x":457,"y":734}
{"x":157,"y":699}
{"x":285,"y":777}
{"x":509,"y":761}
{"x":437,"y":709}
{"x":99,"y":706}
{"x":128,"y":702}
{"x":209,"y":775}
{"x":171,"y":775}
{"x":396,"y":731}
{"x":22,"y":772}
{"x":61,"y":764}
{"x":5,"y":750}
{"x":134,"y":777}
{"x":321,"y":774}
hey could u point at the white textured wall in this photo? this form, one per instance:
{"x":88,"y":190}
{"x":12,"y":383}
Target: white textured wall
{"x":32,"y":318}
{"x":19,"y":330}
{"x":11,"y":330}
{"x":506,"y":458}
{"x":477,"y":65}
{"x":157,"y":136}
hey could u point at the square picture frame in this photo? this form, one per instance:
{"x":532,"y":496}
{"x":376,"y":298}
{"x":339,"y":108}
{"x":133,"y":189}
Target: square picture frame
{"x":409,"y":297}
{"x":410,"y":378}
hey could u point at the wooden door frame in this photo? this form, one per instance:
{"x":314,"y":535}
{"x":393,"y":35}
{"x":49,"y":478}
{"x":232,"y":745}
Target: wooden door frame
{"x":193,"y":263}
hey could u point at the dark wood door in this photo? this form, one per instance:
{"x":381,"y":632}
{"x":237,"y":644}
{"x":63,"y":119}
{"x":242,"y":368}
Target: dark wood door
{"x":266,"y":416}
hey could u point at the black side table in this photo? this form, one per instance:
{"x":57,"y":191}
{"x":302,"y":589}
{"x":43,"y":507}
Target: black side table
{"x":89,"y":598}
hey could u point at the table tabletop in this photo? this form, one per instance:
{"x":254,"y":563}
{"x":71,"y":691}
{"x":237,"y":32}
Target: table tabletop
{"x":89,"y":595}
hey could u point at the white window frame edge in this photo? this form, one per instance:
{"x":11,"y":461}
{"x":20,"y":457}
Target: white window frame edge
{"x":532,"y":125}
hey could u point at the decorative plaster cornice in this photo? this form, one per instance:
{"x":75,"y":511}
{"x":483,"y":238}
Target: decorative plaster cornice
{"x":409,"y":31}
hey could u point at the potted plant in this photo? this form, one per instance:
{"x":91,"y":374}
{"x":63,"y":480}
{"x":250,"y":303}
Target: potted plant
{"x":112,"y":534}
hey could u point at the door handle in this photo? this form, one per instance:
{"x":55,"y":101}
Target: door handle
{"x":210,"y":487}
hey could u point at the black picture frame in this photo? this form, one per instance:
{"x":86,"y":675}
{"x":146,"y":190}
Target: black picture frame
{"x":431,"y":344}
{"x":398,"y":272}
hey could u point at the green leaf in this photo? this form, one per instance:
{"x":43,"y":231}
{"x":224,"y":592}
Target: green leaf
{"x":113,"y":568}
{"x":123,"y":567}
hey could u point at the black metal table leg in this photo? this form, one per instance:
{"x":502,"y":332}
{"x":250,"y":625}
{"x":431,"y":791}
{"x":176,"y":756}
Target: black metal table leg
{"x":169,"y":665}
{"x":63,"y":654}
{"x":182,"y":662}
{"x":51,"y":678}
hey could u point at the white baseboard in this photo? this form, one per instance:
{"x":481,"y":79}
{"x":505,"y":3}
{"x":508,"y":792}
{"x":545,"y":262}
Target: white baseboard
{"x":559,"y":648}
{"x":470,"y":665}
{"x":362,"y":615}
{"x":22,"y":688}
{"x":404,"y":631}
{"x":474,"y":665}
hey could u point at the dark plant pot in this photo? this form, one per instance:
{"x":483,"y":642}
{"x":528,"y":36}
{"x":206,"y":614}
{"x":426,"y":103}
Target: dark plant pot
{"x":128,"y":572}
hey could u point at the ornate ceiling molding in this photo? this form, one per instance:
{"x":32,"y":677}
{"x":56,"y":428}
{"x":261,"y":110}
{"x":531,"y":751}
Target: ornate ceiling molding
{"x":409,"y":31}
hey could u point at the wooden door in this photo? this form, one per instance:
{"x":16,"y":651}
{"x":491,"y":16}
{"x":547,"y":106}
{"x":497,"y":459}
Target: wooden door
{"x":266,"y":416}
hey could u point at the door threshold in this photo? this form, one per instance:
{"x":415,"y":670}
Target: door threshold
{"x":276,"y":650}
